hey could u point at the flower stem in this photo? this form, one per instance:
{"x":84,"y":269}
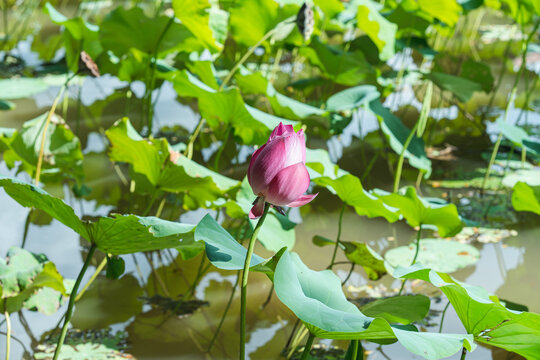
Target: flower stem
{"x":72,"y":296}
{"x":245,"y":274}
{"x":340,"y":221}
{"x":307,"y":348}
{"x":8,"y":330}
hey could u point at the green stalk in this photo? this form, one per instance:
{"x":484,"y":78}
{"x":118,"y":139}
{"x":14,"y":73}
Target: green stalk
{"x":442,"y":317}
{"x":8,"y":329}
{"x":418,"y":235}
{"x":355,"y":349}
{"x":338,"y":237}
{"x":463,"y":354}
{"x":99,"y":269}
{"x":189,"y":147}
{"x":72,"y":296}
{"x":245,"y":274}
{"x":307,"y":348}
{"x":397,"y":177}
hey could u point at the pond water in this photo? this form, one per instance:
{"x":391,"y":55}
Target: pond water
{"x":508,"y":268}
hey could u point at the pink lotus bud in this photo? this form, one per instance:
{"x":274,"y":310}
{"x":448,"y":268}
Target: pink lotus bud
{"x":277,"y":171}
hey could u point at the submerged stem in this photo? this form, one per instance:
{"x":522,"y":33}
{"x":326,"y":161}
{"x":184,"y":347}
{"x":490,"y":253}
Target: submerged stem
{"x":72,"y":296}
{"x":245,"y":274}
{"x":307,"y":348}
{"x":224,"y":313}
{"x":340,"y":221}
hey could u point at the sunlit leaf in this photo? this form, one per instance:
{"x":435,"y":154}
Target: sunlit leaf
{"x":352,"y":98}
{"x":461,"y":87}
{"x":381,"y":31}
{"x":447,"y":11}
{"x":399,"y":309}
{"x":526,"y":198}
{"x":417,"y":210}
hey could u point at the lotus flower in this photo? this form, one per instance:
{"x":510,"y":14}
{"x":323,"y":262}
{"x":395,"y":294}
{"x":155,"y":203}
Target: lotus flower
{"x":277,"y":171}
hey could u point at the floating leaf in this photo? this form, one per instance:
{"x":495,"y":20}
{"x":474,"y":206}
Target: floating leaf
{"x":317,"y":299}
{"x":526,"y":198}
{"x":441,"y":255}
{"x":20,"y":87}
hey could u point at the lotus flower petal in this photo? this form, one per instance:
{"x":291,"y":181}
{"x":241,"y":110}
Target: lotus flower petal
{"x":281,"y":130}
{"x":269,"y":161}
{"x":288,"y":185}
{"x":302,"y":200}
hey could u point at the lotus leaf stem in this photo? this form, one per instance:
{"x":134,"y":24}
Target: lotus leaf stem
{"x":338,"y":238}
{"x":399,"y":167}
{"x":8,"y":329}
{"x":99,"y":269}
{"x":307,"y":348}
{"x":72,"y":297}
{"x":442,"y":317}
{"x":245,"y":274}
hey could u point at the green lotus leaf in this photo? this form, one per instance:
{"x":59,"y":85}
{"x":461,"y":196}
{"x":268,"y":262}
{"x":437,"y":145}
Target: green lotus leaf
{"x":526,"y":198}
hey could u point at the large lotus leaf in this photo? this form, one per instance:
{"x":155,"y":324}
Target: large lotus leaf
{"x":251,"y":20}
{"x":345,"y":68}
{"x":447,"y":11}
{"x":349,"y":189}
{"x":151,"y":158}
{"x":270,"y":121}
{"x":397,"y":134}
{"x":22,"y":274}
{"x":221,"y":248}
{"x":482,"y":314}
{"x":319,"y":164}
{"x":205,"y":20}
{"x":62,"y":155}
{"x":218,"y":108}
{"x":381,"y":31}
{"x":317,"y":299}
{"x":459,"y":86}
{"x":526,"y":198}
{"x":123,"y":29}
{"x":440,"y":255}
{"x":126,"y":234}
{"x":518,"y":136}
{"x":31,"y":196}
{"x":420,"y":211}
{"x":21,"y":87}
{"x":360,"y":254}
{"x":146,"y":156}
{"x":399,"y":309}
{"x":352,"y":98}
